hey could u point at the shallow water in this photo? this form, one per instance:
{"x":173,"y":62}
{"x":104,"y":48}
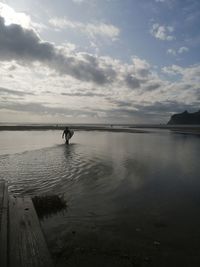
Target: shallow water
{"x":127,"y":194}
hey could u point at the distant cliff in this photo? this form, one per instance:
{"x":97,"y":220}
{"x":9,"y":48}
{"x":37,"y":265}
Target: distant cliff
{"x":185,"y":118}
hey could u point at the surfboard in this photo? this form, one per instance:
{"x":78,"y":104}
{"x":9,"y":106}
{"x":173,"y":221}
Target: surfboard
{"x":69,"y":134}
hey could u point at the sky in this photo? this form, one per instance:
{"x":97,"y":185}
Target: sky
{"x":98,"y":61}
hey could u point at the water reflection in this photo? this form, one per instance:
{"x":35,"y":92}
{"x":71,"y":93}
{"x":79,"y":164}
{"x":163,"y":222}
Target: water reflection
{"x":125,"y":193}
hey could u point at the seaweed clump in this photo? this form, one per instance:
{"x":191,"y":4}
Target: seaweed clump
{"x":48,"y":205}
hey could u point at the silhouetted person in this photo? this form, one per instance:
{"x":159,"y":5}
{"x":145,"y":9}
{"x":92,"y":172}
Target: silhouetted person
{"x":68,"y":134}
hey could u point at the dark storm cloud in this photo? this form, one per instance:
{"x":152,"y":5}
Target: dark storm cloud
{"x":19,"y":43}
{"x":24,"y":45}
{"x":6,"y":91}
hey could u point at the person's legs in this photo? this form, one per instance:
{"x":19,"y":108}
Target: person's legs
{"x":67,"y":142}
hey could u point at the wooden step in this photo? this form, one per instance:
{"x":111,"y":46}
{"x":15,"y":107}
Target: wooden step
{"x":27,"y":246}
{"x":3,"y":223}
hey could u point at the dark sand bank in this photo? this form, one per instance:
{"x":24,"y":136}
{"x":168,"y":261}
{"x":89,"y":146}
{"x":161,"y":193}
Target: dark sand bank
{"x":75,"y":127}
{"x":187,"y":129}
{"x":184,"y":129}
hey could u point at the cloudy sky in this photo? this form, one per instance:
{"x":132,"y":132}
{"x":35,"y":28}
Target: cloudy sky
{"x":87,"y":61}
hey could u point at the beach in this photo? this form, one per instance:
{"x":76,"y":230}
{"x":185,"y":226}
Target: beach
{"x":132,"y":198}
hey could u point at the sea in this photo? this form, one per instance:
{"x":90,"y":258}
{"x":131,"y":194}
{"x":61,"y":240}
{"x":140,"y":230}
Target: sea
{"x":131,"y":198}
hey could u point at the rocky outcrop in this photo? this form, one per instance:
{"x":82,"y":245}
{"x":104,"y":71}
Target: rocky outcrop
{"x":185,"y":118}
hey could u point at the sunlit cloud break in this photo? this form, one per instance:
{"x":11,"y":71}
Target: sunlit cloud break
{"x":91,"y":29}
{"x":12,"y":17}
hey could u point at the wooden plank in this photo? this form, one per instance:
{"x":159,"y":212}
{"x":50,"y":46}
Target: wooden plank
{"x":27,"y":246}
{"x":3,"y":223}
{"x":2,"y":187}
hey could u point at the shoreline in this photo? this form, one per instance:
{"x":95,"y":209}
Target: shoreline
{"x":77,"y":128}
{"x":181,"y":129}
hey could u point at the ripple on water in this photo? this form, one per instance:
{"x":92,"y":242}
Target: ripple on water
{"x":52,"y":170}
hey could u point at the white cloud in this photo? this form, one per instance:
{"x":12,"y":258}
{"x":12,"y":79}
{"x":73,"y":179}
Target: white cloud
{"x":78,"y":1}
{"x":180,"y":50}
{"x":26,"y":47}
{"x":183,"y":49}
{"x":62,"y":82}
{"x":172,"y":70}
{"x":89,"y":2}
{"x":141,"y":66}
{"x":188,"y":75}
{"x":11,"y":16}
{"x":185,"y":86}
{"x":91,"y":29}
{"x":46,"y":93}
{"x":20,"y":18}
{"x":162,"y":32}
{"x":171,"y":51}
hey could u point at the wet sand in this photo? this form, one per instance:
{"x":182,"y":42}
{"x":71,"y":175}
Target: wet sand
{"x":182,"y":129}
{"x":188,"y":130}
{"x":85,"y":128}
